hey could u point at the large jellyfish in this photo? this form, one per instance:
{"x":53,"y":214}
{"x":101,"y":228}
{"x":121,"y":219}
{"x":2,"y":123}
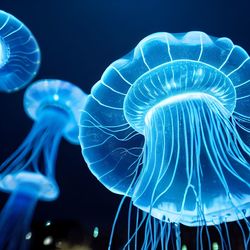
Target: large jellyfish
{"x":19,"y":53}
{"x":29,"y":173}
{"x":168,"y":125}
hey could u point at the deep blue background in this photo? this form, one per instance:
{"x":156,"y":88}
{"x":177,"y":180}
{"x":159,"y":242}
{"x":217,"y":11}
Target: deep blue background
{"x":78,"y":40}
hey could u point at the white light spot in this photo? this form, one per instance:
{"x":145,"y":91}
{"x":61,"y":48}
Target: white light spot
{"x":173,"y":83}
{"x":4,"y":53}
{"x":199,"y":72}
{"x":215,"y":246}
{"x":1,"y":53}
{"x":96,"y":232}
{"x":47,"y":241}
{"x":48,"y":223}
{"x":184,"y":247}
{"x":28,"y":236}
{"x":56,"y":97}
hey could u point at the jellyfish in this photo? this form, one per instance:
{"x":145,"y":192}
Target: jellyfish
{"x":19,"y":54}
{"x":29,"y":173}
{"x":168,"y":126}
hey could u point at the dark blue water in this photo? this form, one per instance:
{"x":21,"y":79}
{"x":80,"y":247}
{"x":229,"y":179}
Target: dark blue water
{"x":78,"y":40}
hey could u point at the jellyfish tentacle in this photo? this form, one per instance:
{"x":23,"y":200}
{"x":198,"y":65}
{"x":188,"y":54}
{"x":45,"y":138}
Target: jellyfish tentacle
{"x":188,"y":166}
{"x":227,"y":236}
{"x":146,"y":236}
{"x":129,"y":220}
{"x":216,"y":164}
{"x":121,"y":204}
{"x":136,"y":226}
{"x":13,"y":220}
{"x":144,"y":218}
{"x":243,"y":235}
{"x":50,"y":154}
{"x":225,"y":161}
{"x":38,"y":137}
{"x":161,"y":171}
{"x":32,"y":155}
{"x":216,"y":160}
{"x":22,"y":148}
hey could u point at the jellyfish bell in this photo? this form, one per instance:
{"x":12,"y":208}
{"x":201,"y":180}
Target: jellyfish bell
{"x":182,"y":108}
{"x":29,"y":173}
{"x":37,"y":185}
{"x":62,"y":97}
{"x":19,"y":54}
{"x":169,"y":126}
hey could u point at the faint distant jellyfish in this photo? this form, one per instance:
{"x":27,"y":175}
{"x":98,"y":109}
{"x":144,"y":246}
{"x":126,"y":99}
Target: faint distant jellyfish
{"x":19,"y":54}
{"x":168,"y":126}
{"x":29,"y":173}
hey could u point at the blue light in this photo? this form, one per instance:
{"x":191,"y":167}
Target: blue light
{"x":19,"y":54}
{"x":168,"y":125}
{"x":29,"y":173}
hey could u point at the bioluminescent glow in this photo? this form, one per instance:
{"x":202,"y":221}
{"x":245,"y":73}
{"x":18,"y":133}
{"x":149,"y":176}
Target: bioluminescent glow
{"x":168,"y":125}
{"x":19,"y":54}
{"x":29,"y":173}
{"x":96,"y":232}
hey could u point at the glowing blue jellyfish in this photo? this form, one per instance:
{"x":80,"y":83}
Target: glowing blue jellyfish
{"x":168,"y":125}
{"x":29,"y":173}
{"x":19,"y":54}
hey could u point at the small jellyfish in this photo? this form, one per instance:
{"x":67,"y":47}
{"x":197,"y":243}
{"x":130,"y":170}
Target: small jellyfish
{"x":169,"y":126}
{"x":29,"y":173}
{"x":19,"y":54}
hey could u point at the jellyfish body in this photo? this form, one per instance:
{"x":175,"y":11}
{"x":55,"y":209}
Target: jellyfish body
{"x":19,"y":54}
{"x":29,"y":172}
{"x":17,"y":213}
{"x":175,"y":133}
